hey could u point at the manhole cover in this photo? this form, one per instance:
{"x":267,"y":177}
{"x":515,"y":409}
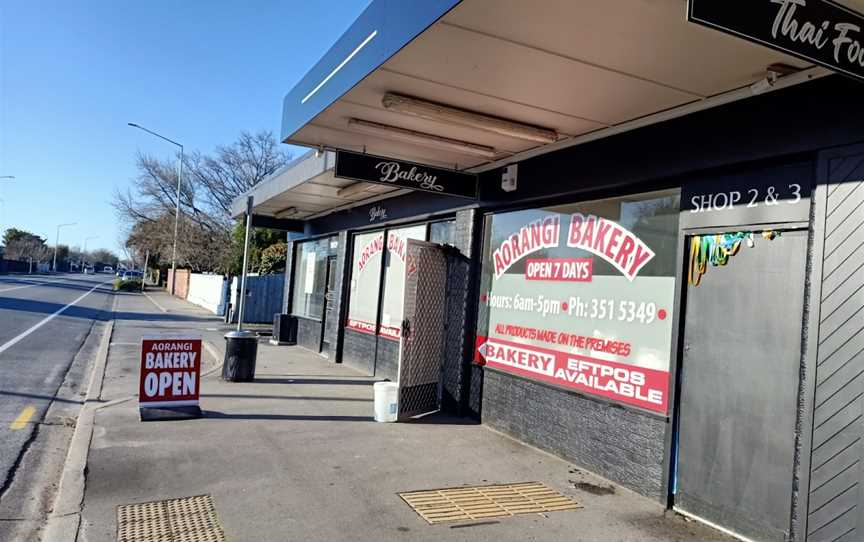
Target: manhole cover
{"x":478,"y":502}
{"x":190,"y":519}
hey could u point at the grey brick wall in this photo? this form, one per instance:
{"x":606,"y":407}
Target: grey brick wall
{"x":309,"y":333}
{"x":387,"y":361}
{"x":358,"y":351}
{"x":622,"y":445}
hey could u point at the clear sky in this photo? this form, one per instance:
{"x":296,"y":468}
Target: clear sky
{"x":73,"y":73}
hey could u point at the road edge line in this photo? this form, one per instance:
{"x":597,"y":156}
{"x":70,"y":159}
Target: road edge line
{"x":65,"y":517}
{"x":158,"y":306}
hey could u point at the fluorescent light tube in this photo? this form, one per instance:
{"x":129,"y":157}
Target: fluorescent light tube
{"x":445,"y":113}
{"x":426,"y":140}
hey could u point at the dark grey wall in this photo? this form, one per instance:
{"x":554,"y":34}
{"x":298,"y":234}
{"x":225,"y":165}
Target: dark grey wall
{"x":309,"y":333}
{"x":836,"y":499}
{"x":358,"y":351}
{"x":620,"y":444}
{"x":387,"y":359}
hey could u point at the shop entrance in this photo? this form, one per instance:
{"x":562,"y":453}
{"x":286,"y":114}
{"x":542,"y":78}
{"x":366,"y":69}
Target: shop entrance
{"x":330,"y":319}
{"x":740,"y":381}
{"x":423,"y":329}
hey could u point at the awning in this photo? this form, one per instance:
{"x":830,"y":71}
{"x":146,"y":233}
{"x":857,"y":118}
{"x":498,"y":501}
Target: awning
{"x":477,"y":84}
{"x":303,"y":189}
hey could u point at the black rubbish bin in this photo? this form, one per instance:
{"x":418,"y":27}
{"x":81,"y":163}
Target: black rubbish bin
{"x":241,"y":349}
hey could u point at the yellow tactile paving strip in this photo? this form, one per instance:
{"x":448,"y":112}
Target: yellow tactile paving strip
{"x":482,"y":502}
{"x":190,"y":519}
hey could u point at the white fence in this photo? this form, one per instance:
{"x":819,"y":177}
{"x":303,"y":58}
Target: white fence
{"x":208,"y":291}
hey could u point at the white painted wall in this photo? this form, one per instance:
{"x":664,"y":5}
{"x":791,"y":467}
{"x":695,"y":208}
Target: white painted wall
{"x":207,"y":291}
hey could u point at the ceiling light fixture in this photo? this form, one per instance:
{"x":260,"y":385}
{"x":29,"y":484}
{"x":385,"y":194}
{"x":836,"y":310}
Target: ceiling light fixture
{"x":352,"y":190}
{"x":286,"y":212}
{"x":444,"y":113}
{"x":420,"y":138}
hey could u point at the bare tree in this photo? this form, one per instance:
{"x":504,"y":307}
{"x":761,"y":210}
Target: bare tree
{"x":210,"y":184}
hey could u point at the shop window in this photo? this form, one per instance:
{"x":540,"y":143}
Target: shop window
{"x":365,"y":281}
{"x":443,"y":232}
{"x":581,"y":296}
{"x":310,"y":273}
{"x":394,"y":278}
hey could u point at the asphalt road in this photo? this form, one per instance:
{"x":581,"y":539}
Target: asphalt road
{"x":44,"y":321}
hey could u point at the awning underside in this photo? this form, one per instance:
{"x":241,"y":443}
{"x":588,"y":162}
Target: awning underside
{"x":570,"y":66}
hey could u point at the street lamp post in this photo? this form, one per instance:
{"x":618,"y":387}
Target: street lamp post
{"x":57,"y":243}
{"x":177,"y":210}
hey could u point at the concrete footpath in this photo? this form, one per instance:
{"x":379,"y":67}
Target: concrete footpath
{"x":296,"y":455}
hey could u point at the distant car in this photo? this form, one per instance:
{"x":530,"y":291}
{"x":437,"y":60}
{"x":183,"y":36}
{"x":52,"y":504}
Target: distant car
{"x":131,"y":275}
{"x":107,"y":269}
{"x":88,"y":269}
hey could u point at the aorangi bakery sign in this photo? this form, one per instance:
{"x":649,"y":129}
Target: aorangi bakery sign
{"x":818,"y":31}
{"x":569,"y":303}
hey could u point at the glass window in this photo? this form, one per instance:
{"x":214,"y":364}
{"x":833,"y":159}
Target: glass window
{"x":394,"y":278}
{"x":365,"y":281}
{"x":443,"y":232}
{"x":581,"y":296}
{"x":310,"y":273}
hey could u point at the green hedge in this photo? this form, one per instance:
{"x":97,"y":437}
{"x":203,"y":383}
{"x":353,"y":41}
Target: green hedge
{"x":128,"y":285}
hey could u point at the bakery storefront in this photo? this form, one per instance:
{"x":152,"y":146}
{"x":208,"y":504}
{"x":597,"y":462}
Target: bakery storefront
{"x":653,"y":267}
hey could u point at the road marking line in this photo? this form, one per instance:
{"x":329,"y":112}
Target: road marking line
{"x":9,"y":344}
{"x":22,"y":419}
{"x":158,"y":306}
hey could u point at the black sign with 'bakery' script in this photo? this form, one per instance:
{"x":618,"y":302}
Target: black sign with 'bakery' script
{"x":819,"y":31}
{"x":380,"y":170}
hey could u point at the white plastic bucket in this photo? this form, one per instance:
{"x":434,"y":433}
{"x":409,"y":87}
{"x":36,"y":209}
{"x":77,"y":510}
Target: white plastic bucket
{"x":386,"y":397}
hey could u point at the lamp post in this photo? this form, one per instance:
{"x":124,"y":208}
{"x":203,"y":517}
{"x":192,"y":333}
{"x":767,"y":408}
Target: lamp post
{"x":177,"y":211}
{"x":84,"y":251}
{"x":57,"y":243}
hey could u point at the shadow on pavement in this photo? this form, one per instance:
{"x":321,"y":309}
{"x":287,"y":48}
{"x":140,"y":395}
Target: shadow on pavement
{"x":38,"y":396}
{"x":329,"y":381}
{"x":45,"y":307}
{"x":286,"y":417}
{"x":288,"y":397}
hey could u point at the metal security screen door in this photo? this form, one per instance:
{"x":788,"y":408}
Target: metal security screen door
{"x":330,"y":322}
{"x":422,"y":348}
{"x":740,"y":381}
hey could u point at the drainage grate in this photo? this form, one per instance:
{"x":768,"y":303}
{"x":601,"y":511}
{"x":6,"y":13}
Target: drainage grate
{"x":190,"y":519}
{"x":479,"y":502}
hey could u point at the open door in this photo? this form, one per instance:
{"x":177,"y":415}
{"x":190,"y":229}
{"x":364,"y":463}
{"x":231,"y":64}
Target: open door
{"x":739,"y":387}
{"x":423,"y":332}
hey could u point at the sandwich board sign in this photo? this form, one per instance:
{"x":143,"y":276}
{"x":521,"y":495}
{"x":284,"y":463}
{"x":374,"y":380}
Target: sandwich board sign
{"x":170,"y":378}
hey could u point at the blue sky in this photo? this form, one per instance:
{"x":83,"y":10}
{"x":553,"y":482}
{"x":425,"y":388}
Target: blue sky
{"x":73,"y":73}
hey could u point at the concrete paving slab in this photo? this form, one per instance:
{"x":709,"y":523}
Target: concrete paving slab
{"x":296,"y":455}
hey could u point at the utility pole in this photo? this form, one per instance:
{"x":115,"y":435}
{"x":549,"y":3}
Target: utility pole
{"x":144,"y":271}
{"x":177,"y":210}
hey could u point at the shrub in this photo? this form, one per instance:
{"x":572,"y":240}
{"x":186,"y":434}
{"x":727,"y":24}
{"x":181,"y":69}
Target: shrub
{"x":128,"y":285}
{"x":273,"y":258}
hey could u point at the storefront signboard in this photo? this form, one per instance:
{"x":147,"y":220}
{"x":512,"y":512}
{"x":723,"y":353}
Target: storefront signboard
{"x":387,"y":171}
{"x":170,"y":372}
{"x":818,"y":31}
{"x":582,"y":297}
{"x":766,"y":196}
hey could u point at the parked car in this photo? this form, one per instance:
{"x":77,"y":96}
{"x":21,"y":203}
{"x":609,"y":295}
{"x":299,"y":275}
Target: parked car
{"x":107,"y":269}
{"x":132,"y":275}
